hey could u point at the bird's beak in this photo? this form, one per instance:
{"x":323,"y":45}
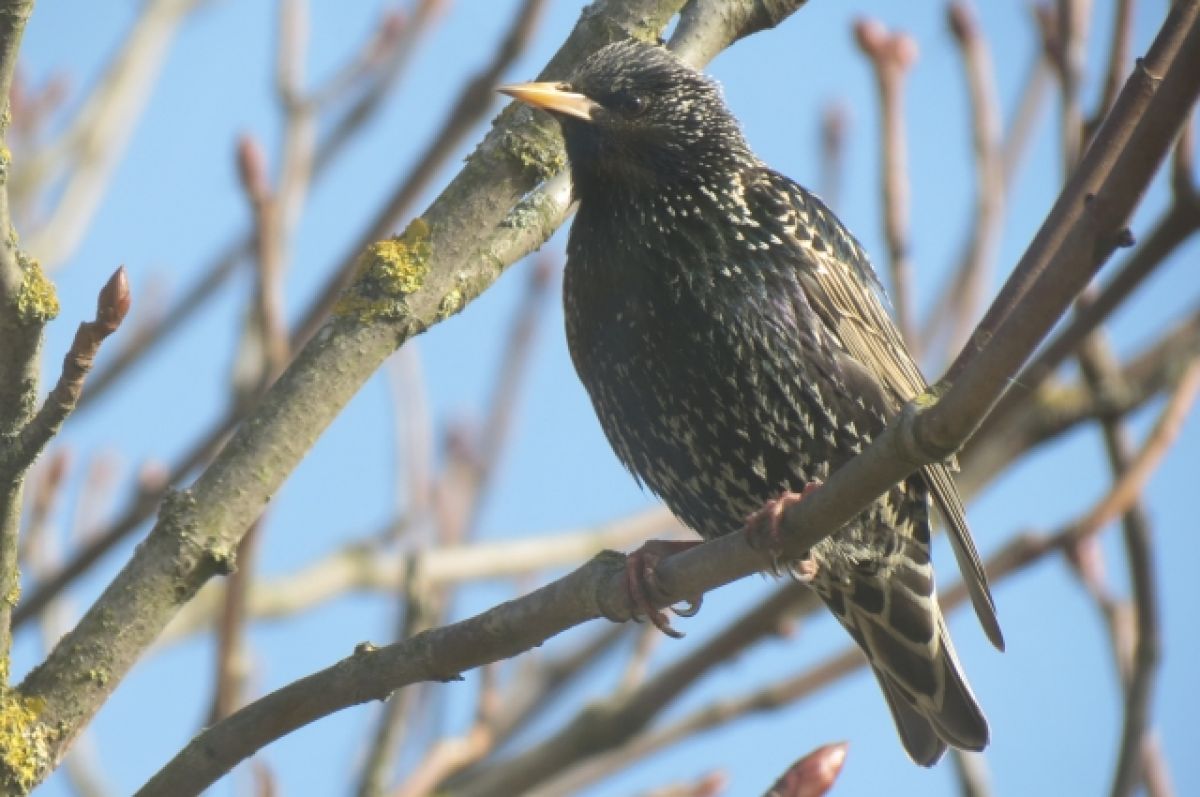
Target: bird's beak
{"x":553,"y":97}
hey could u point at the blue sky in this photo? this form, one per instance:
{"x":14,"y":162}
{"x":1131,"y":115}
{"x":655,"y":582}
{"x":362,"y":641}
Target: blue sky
{"x":174,"y":199}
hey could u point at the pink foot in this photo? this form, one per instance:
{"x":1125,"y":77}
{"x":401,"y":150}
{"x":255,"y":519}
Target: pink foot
{"x":644,"y":589}
{"x":764,"y":534}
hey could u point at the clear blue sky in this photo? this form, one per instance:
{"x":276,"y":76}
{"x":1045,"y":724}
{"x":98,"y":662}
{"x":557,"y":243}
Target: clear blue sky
{"x":1051,"y":698}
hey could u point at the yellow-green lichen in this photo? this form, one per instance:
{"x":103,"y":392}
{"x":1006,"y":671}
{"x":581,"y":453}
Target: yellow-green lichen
{"x":24,"y":742}
{"x":37,"y":301}
{"x":539,"y":148}
{"x":451,"y":303}
{"x":14,"y":592}
{"x":386,"y":272}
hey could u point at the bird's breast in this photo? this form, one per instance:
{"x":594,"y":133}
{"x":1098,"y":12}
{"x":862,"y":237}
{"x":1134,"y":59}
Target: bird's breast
{"x":709,"y":388}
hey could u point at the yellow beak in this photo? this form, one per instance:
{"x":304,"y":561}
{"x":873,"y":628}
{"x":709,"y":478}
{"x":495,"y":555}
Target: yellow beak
{"x":552,"y":97}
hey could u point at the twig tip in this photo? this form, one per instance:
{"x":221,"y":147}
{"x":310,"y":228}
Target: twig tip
{"x":112,"y":305}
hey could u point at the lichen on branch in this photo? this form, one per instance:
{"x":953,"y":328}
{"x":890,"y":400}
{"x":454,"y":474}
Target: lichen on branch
{"x":387,"y":272}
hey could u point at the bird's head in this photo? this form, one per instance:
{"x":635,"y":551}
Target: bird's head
{"x":634,"y":115}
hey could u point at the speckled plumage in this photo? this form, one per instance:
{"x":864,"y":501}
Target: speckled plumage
{"x":730,"y":334}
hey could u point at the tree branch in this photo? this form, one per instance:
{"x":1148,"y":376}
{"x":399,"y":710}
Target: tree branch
{"x":892,"y":56}
{"x":27,"y":302}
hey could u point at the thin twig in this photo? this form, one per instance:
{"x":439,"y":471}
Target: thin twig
{"x":1180,"y":221}
{"x":47,"y":484}
{"x":1025,"y":118}
{"x":379,"y":66}
{"x":142,"y":504}
{"x":1068,"y":50}
{"x":82,"y":764}
{"x":419,"y":610}
{"x":1119,"y":50}
{"x":614,"y":721}
{"x":1056,"y":409}
{"x":461,"y":493}
{"x":892,"y":56}
{"x":971,"y":771}
{"x":365,"y":568}
{"x":540,"y":683}
{"x":834,"y":121}
{"x":959,"y":305}
{"x":112,"y":304}
{"x":378,"y":63}
{"x":1137,"y":660}
{"x":93,"y":143}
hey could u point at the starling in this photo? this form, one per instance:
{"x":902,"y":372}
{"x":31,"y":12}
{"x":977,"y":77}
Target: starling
{"x":734,"y":341}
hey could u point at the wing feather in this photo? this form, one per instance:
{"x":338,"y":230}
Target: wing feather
{"x":844,"y":290}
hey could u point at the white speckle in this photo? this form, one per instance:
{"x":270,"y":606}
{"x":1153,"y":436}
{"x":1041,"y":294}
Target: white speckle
{"x":759,"y":466}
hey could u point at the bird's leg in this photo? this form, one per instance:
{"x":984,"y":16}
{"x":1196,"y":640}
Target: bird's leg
{"x":764,"y":534}
{"x":644,"y":589}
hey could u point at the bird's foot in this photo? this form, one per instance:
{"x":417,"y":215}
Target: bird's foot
{"x":644,"y":589}
{"x":764,"y":532}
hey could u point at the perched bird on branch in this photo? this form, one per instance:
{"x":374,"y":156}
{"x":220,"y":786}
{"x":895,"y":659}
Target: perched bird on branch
{"x":732,"y":337}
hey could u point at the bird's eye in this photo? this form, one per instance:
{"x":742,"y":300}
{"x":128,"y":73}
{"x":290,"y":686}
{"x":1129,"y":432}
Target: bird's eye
{"x":632,"y":104}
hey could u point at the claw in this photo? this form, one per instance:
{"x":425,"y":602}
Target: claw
{"x":644,"y":589}
{"x":689,"y":608}
{"x":764,"y":533}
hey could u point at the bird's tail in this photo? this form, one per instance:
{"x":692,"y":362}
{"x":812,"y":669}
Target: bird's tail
{"x":894,"y":616}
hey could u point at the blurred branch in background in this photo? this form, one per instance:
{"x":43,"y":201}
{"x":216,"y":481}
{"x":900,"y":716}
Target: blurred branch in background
{"x":458,"y":496}
{"x":371,"y":71}
{"x":78,"y":164}
{"x":891,"y":57}
{"x":956,"y":310}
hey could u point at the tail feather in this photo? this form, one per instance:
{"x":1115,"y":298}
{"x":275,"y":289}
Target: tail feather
{"x":959,"y":720}
{"x":922,"y":743}
{"x":893,"y":615}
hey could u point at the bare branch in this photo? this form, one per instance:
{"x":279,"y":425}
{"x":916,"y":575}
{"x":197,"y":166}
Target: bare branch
{"x":892,"y":56}
{"x":1118,"y":61}
{"x":112,"y":304}
{"x":959,"y":303}
{"x":379,"y":63}
{"x":1137,"y":661}
{"x":834,"y":121}
{"x":612,"y":722}
{"x":361,"y":568}
{"x":96,"y":139}
{"x":971,"y":770}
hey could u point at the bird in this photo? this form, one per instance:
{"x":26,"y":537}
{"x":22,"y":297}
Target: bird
{"x":737,"y":348}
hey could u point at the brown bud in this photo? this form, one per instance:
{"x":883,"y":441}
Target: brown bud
{"x":113,"y":303}
{"x":962,"y":22}
{"x":813,"y":775}
{"x":252,"y":168}
{"x":903,"y":50}
{"x":871,"y":35}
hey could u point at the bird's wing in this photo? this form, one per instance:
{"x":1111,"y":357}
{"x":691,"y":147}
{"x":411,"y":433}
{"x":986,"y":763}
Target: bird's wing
{"x":844,"y":290}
